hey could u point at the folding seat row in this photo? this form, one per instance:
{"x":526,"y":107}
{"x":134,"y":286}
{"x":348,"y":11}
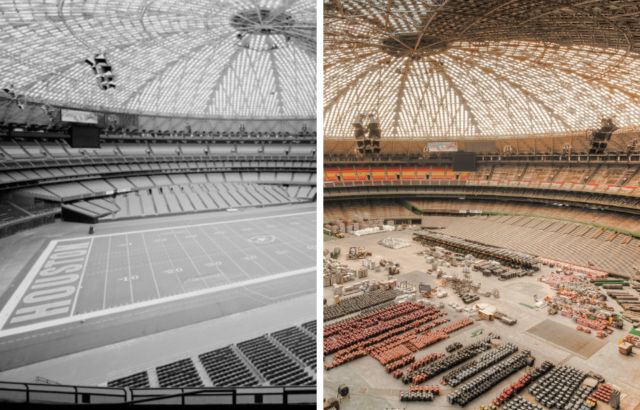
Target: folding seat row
{"x":182,"y":373}
{"x":138,"y":380}
{"x":298,"y":343}
{"x":226,"y":369}
{"x":272,"y":363}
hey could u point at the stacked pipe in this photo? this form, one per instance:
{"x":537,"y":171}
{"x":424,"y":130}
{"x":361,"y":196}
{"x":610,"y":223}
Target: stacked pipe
{"x":397,"y":374}
{"x":481,"y":384}
{"x":442,"y":365}
{"x":486,"y":360}
{"x":556,"y":387}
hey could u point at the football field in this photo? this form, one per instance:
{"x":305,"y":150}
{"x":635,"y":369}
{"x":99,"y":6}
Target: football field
{"x":81,"y":278}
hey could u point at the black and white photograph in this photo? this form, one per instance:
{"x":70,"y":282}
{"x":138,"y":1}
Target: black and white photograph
{"x":158,"y":204}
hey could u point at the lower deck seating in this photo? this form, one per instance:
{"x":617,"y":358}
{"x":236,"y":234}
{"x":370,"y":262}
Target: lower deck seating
{"x":299,"y":343}
{"x":577,"y":245}
{"x":609,"y":219}
{"x":366,"y":210}
{"x":225,"y":368}
{"x":10,"y":213}
{"x":274,"y":365}
{"x":135,"y":381}
{"x":182,"y":373}
{"x":255,"y":362}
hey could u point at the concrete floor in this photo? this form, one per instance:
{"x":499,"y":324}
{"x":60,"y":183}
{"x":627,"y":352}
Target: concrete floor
{"x":372,"y":388}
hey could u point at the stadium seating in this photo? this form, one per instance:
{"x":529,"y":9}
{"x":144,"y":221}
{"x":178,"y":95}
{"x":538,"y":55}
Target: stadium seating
{"x":182,"y":373}
{"x":299,"y":343}
{"x":187,"y":198}
{"x":612,"y":179}
{"x":355,"y":210}
{"x":138,"y":380}
{"x":273,"y":364}
{"x":278,"y":359}
{"x":569,"y":243}
{"x":613,"y":220}
{"x":225,"y":368}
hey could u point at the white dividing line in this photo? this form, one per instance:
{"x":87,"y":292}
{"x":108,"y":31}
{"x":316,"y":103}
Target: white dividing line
{"x":126,"y":241}
{"x":212,"y":261}
{"x":124,"y":308}
{"x":24,"y":285}
{"x":190,"y":226}
{"x":173,"y":266}
{"x":84,"y":269}
{"x":153,"y":275}
{"x":106,"y":273}
{"x":225,"y":252}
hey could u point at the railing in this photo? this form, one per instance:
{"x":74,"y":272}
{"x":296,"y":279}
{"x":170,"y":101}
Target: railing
{"x":61,"y":394}
{"x":564,"y":186}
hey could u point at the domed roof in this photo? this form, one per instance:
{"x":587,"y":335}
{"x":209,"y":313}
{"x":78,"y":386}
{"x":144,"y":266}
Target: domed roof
{"x":483,"y":69}
{"x":206,"y":58}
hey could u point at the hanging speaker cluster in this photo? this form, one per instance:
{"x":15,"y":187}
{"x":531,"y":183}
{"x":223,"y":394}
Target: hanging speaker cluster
{"x":102,"y":70}
{"x":367,"y":139}
{"x":600,"y":138}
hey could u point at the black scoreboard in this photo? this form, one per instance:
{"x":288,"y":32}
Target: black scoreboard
{"x":464,"y":162}
{"x":85,"y":136}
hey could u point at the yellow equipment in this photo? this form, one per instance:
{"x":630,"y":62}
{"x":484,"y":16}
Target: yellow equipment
{"x":339,"y":235}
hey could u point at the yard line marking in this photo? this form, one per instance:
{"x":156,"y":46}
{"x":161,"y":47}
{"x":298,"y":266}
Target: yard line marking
{"x":295,"y":249}
{"x":266,"y":254}
{"x":84,"y":268}
{"x":210,"y":259}
{"x":252,"y":260}
{"x":144,"y":241}
{"x":124,"y":308}
{"x":106,"y":274}
{"x":188,"y":256}
{"x":207,"y":224}
{"x":225,"y":252}
{"x":173,"y":267}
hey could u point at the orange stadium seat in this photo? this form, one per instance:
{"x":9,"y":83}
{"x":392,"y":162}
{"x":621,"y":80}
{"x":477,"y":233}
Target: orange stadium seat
{"x":378,"y":173}
{"x":408,"y":172}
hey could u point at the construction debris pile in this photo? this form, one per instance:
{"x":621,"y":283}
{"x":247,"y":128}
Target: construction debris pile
{"x":394,"y":243}
{"x":477,"y":250}
{"x":370,"y":231}
{"x":344,"y":226}
{"x":335,"y":272}
{"x":591,"y":273}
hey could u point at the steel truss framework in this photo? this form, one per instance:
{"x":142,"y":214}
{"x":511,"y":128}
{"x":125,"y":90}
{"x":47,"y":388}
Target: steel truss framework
{"x":206,"y":58}
{"x":483,"y":69}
